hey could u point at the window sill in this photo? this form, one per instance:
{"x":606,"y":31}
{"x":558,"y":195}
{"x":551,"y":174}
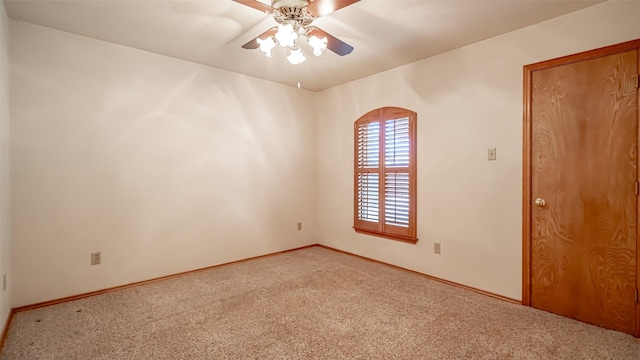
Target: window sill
{"x":388,"y":236}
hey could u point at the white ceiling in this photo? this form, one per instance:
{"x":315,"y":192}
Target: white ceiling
{"x":384,"y":33}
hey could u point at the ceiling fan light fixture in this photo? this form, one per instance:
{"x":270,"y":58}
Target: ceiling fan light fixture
{"x":267,"y":45}
{"x":286,"y":35}
{"x":294,"y":19}
{"x":319,"y":45}
{"x":296,"y":57}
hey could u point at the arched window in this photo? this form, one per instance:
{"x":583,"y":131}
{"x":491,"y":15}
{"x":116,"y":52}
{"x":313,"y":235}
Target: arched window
{"x":385,"y":174}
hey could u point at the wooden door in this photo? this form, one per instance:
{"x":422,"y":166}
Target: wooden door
{"x":583,"y":168}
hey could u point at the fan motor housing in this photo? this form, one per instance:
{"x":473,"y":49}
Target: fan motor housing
{"x":277,"y":4}
{"x":292,"y":12}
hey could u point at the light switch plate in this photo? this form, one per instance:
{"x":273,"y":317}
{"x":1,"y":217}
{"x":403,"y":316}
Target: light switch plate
{"x":491,"y":155}
{"x":96,"y":258}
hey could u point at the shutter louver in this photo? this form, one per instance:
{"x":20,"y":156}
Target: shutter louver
{"x":369,"y":145}
{"x":396,"y":199}
{"x":396,"y":182}
{"x":396,"y":142}
{"x":368,"y":181}
{"x":368,"y":195}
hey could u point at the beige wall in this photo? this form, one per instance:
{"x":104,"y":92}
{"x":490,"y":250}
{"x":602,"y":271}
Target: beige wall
{"x":162,"y":165}
{"x":5,"y":233}
{"x":167,"y":166}
{"x":467,"y":100}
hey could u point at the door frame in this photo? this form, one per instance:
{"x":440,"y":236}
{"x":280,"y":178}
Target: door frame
{"x":527,"y":197}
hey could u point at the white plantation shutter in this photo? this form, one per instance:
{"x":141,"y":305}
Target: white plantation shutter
{"x":396,"y":143}
{"x":384,"y":183}
{"x":368,"y":174}
{"x":396,"y":180}
{"x":369,"y":145}
{"x":368,"y":197}
{"x":396,"y":199}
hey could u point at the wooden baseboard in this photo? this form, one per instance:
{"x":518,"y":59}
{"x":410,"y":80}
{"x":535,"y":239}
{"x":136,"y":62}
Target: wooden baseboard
{"x":139,"y":283}
{"x":479,"y":291}
{"x":5,"y":331}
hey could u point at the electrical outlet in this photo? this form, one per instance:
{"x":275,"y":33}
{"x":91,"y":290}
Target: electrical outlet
{"x":299,"y":226}
{"x":4,"y":282}
{"x":436,"y":248}
{"x":492,"y":154}
{"x":96,"y":258}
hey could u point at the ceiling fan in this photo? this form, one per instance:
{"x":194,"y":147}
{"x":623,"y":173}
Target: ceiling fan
{"x":294,"y":18}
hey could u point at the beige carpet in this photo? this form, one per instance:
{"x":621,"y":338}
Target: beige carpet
{"x":307,"y":304}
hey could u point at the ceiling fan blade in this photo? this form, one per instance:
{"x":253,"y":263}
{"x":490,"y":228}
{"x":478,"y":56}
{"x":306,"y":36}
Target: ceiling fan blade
{"x":333,"y":43}
{"x":253,"y":44}
{"x":256,"y":5}
{"x":319,"y":8}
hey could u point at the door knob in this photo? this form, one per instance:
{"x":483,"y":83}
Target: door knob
{"x":540,"y":202}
